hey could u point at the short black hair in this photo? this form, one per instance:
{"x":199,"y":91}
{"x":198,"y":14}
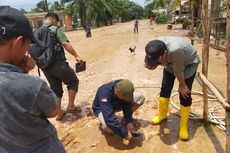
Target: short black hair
{"x":52,"y":15}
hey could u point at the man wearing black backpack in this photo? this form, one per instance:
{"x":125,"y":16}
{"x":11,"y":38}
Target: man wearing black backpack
{"x":60,"y":71}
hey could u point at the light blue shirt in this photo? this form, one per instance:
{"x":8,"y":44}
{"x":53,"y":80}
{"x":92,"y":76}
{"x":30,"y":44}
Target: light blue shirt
{"x":182,"y":57}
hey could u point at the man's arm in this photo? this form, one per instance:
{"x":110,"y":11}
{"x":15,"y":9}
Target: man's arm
{"x":110,"y":117}
{"x":45,"y":104}
{"x":71,"y":50}
{"x":61,"y":38}
{"x":53,"y":113}
{"x":178,"y":58}
{"x":183,"y":89}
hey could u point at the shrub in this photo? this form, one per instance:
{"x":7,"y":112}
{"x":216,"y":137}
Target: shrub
{"x":186,"y":23}
{"x":162,"y":18}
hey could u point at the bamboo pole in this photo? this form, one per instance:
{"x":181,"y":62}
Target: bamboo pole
{"x":227,"y":115}
{"x":192,"y":22}
{"x":205,"y":52}
{"x":213,"y":89}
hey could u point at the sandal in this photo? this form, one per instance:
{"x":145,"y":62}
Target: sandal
{"x":74,"y":110}
{"x":60,"y":116}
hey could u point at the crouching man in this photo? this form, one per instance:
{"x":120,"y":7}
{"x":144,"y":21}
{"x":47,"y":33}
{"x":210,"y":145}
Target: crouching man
{"x":114,"y":96}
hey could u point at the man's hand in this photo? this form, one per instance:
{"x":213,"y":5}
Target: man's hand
{"x":131,"y":128}
{"x":127,"y":139}
{"x":27,"y":64}
{"x":183,"y":90}
{"x":79,"y":60}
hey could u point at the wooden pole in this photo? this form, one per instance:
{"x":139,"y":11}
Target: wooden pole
{"x":213,"y":89}
{"x":46,"y":6}
{"x":227,"y":115}
{"x":205,"y":52}
{"x":192,"y":22}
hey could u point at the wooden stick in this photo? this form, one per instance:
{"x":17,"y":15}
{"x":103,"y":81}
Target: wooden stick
{"x":205,"y":52}
{"x":213,"y":89}
{"x":227,"y":117}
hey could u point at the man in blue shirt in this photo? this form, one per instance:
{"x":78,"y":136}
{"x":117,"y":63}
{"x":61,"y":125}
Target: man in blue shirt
{"x":25,"y":101}
{"x":114,"y":96}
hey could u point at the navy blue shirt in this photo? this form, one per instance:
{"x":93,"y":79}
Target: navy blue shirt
{"x":25,"y":101}
{"x":107,"y":103}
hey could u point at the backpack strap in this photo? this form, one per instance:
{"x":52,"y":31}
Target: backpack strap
{"x":55,"y":33}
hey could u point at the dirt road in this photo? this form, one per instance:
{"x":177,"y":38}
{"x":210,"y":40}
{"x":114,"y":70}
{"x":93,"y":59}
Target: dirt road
{"x":108,"y":58}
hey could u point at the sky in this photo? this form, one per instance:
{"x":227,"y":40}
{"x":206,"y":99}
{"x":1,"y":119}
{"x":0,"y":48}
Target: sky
{"x":28,"y":4}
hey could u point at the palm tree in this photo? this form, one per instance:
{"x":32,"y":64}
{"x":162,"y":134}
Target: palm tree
{"x":159,"y":3}
{"x":40,"y":7}
{"x":46,"y":6}
{"x":102,"y":11}
{"x":56,"y":7}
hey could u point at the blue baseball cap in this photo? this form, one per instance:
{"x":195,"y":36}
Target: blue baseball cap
{"x":154,"y":49}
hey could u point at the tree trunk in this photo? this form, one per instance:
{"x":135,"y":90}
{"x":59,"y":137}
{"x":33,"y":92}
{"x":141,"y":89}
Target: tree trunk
{"x":46,"y":6}
{"x":227,"y":117}
{"x":82,"y":12}
{"x":205,"y":52}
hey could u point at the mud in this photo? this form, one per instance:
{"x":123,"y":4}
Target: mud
{"x":108,"y":57}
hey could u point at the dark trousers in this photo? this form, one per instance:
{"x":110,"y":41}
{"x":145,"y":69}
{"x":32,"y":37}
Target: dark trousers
{"x":167,"y":86}
{"x":60,"y":72}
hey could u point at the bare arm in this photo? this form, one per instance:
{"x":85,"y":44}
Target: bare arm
{"x":71,"y":50}
{"x":53,"y":113}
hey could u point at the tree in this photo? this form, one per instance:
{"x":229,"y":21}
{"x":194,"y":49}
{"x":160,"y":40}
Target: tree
{"x":41,"y":6}
{"x":159,"y":3}
{"x":56,"y":7}
{"x":23,"y":11}
{"x":102,"y":11}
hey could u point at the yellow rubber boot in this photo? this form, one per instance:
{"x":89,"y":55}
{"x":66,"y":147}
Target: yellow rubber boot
{"x":184,"y":114}
{"x":163,"y":104}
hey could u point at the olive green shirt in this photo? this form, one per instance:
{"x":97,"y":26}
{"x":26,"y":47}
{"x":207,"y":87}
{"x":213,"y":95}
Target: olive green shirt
{"x":181,"y":57}
{"x":60,"y":36}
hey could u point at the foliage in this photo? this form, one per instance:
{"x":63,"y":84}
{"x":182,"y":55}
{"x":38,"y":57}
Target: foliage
{"x":148,"y":10}
{"x":40,"y":7}
{"x":162,"y":18}
{"x":56,"y":7}
{"x":186,"y":23}
{"x":97,"y":11}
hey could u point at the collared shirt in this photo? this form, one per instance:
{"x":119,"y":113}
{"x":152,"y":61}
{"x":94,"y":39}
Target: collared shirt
{"x":181,"y":57}
{"x":106,"y":102}
{"x":25,"y":101}
{"x":60,"y":35}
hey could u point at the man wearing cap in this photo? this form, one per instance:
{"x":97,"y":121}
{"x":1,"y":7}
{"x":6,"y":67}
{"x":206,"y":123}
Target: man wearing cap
{"x":180,"y":60}
{"x":114,"y":96}
{"x":26,"y":101}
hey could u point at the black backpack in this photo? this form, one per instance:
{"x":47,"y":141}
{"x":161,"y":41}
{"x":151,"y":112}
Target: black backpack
{"x":46,"y":50}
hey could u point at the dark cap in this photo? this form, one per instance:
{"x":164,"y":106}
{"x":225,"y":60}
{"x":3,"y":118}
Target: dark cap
{"x":126,"y":88}
{"x":14,"y":23}
{"x":154,"y":49}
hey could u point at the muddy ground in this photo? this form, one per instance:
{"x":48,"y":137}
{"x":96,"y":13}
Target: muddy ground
{"x":108,"y":58}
